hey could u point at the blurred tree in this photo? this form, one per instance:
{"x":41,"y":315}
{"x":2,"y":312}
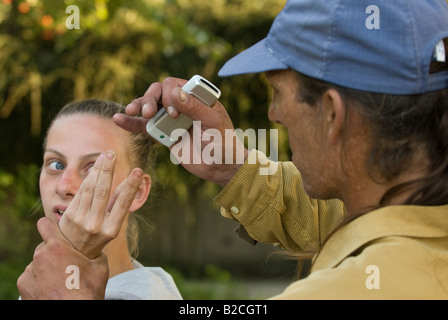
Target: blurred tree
{"x":120,"y":48}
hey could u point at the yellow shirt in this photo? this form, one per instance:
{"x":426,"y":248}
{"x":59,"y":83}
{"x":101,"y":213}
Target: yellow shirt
{"x":397,"y":252}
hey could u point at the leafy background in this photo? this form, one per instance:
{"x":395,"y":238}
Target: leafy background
{"x":122,"y":46}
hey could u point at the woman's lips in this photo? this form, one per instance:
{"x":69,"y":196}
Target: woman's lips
{"x":59,"y":211}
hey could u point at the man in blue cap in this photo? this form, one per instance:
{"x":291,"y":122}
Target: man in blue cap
{"x":362,"y":88}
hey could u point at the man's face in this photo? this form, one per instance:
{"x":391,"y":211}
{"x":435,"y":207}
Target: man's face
{"x":305,"y":131}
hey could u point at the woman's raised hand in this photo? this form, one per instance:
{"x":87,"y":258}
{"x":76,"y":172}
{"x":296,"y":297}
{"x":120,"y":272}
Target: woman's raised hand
{"x":93,"y":217}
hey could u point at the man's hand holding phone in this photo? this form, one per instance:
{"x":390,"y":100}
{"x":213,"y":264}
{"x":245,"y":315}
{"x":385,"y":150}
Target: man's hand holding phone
{"x":169,"y":95}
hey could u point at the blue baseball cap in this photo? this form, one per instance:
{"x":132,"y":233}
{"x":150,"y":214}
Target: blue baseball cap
{"x":384,"y":46}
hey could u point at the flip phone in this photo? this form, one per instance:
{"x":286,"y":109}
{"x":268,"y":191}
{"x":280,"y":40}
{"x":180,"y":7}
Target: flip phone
{"x":161,"y":126}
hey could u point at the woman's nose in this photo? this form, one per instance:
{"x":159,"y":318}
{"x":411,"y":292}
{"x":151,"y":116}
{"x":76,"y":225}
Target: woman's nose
{"x":68,"y":184}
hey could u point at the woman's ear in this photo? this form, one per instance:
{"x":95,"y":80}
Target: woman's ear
{"x":142,"y":193}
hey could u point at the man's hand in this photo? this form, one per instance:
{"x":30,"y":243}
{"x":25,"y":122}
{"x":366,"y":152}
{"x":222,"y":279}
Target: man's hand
{"x":46,"y":276}
{"x":170,"y":95}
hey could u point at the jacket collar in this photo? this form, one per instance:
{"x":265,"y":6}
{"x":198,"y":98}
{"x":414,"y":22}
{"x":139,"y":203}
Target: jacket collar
{"x":408,"y":221}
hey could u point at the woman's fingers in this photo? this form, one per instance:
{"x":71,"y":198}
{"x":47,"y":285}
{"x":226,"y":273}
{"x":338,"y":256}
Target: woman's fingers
{"x":114,"y":196}
{"x":75,"y":217}
{"x":87,"y":188}
{"x":119,"y":205}
{"x":121,"y":201}
{"x":94,"y":217}
{"x":102,"y":190}
{"x":84,"y":216}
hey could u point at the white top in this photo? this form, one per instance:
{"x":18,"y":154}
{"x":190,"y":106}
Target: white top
{"x":142,"y":283}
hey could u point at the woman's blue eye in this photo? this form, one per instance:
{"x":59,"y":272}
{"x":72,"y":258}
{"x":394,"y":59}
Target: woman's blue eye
{"x":56,"y":165}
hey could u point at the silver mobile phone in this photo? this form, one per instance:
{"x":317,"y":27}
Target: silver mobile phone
{"x":162,"y":125}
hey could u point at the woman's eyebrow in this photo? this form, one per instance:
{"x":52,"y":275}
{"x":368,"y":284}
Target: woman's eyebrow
{"x":90,"y":156}
{"x":55,"y":152}
{"x":82,"y":158}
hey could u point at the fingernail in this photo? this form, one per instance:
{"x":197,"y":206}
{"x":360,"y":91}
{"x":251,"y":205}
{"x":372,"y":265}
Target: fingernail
{"x":138,"y":173}
{"x":110,"y":155}
{"x":100,"y":158}
{"x":172,"y":112}
{"x":145,"y":107}
{"x":183,"y":96}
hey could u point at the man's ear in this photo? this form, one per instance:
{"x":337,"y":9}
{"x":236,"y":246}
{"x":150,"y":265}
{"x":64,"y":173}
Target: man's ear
{"x":333,"y":111}
{"x":142,"y":193}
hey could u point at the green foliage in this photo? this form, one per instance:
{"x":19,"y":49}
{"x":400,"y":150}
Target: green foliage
{"x":120,"y":48}
{"x":20,"y":202}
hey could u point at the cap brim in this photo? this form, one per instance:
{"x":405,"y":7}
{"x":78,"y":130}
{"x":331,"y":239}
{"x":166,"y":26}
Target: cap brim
{"x":256,"y":59}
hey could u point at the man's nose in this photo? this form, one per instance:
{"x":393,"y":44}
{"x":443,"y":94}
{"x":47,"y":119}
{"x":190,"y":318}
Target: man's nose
{"x":272,"y":114}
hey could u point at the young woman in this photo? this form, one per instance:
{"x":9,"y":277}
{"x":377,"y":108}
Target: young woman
{"x":86,"y":157}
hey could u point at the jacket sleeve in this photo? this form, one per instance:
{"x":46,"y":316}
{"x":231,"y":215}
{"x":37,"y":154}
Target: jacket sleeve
{"x":267,"y":198}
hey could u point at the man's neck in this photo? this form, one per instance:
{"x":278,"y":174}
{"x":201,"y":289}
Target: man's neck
{"x":365,"y":195}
